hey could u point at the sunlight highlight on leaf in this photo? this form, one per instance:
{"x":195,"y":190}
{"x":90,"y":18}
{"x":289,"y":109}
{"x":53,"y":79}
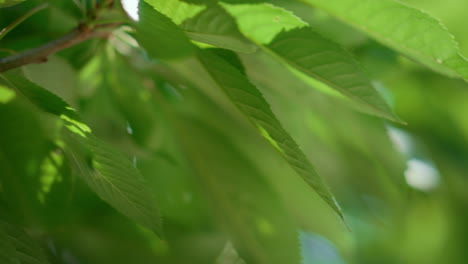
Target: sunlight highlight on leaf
{"x":262,"y":22}
{"x":50,"y":174}
{"x":267,"y":136}
{"x":6,"y":94}
{"x":177,"y":10}
{"x":79,"y":125}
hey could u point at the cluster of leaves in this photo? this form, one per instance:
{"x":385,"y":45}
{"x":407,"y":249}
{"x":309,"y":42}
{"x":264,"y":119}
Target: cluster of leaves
{"x":192,"y":132}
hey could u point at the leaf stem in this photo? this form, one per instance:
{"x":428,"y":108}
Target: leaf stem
{"x":20,"y":19}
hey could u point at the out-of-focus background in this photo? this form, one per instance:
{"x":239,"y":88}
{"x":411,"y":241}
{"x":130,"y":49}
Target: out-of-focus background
{"x":417,"y":214}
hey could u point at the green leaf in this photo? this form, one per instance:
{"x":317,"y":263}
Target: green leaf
{"x":230,"y":57}
{"x":214,"y":26}
{"x":160,"y":37}
{"x":42,"y":98}
{"x":275,"y":134}
{"x":403,"y":28}
{"x":323,"y":126}
{"x":250,"y":101}
{"x":243,"y":202}
{"x":23,"y":146}
{"x":310,"y":53}
{"x":177,"y":10}
{"x":130,"y":97}
{"x":211,"y":25}
{"x":6,"y":94}
{"x":113,"y":177}
{"x":17,"y":246}
{"x":8,"y":252}
{"x":327,"y":62}
{"x":201,"y":2}
{"x":5,"y":3}
{"x":262,"y":22}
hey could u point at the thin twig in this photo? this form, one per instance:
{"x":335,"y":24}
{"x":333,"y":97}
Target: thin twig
{"x":40,"y":54}
{"x":7,"y":50}
{"x":20,"y":19}
{"x":80,"y":6}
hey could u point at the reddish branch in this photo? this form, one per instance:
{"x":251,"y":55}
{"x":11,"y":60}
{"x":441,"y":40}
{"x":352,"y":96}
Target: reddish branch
{"x":40,"y":54}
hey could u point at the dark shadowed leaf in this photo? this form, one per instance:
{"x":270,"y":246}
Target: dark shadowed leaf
{"x":16,"y":246}
{"x":113,"y":177}
{"x":160,"y":37}
{"x":5,"y":3}
{"x":214,"y":26}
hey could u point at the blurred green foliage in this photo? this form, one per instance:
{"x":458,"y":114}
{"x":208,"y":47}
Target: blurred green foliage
{"x":224,"y":133}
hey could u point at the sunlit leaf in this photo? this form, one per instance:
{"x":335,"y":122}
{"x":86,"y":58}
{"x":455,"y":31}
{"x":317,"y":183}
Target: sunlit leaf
{"x":262,"y":22}
{"x":177,"y":10}
{"x":290,"y":40}
{"x":403,"y":28}
{"x":6,"y":94}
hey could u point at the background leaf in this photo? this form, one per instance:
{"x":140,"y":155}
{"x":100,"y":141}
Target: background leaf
{"x":6,"y":3}
{"x":111,"y":174}
{"x":18,"y":246}
{"x":242,"y":202}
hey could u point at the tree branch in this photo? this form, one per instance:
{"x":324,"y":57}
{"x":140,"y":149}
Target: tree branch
{"x":40,"y":54}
